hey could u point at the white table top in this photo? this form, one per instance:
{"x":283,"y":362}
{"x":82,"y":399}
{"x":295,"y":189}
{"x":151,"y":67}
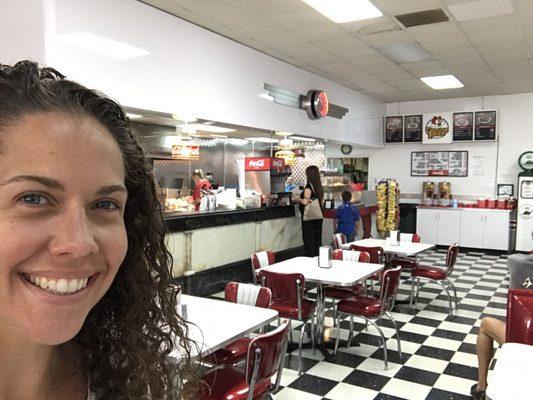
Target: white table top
{"x":342,"y":273}
{"x":216,"y":323}
{"x":512,"y":374}
{"x":404,"y":248}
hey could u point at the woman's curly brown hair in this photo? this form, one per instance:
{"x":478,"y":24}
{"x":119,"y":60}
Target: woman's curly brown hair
{"x":127,"y":337}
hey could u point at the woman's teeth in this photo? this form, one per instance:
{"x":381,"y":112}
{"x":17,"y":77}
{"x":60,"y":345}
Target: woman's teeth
{"x":57,"y":286}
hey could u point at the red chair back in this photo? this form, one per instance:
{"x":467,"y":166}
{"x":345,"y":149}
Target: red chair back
{"x":390,"y":279}
{"x":408,"y":237}
{"x":340,"y":255}
{"x":265,"y":355}
{"x":250,"y":295}
{"x":519,"y":328}
{"x":261,"y":259}
{"x":451,"y":258}
{"x":285,"y":288}
{"x":416,"y":238}
{"x":376,"y":253}
{"x":338,"y":240}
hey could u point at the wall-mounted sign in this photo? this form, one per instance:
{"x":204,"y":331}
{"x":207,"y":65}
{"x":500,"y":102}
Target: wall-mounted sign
{"x":412,"y":131}
{"x":439,"y":163}
{"x":185,"y":151}
{"x":394,"y":129}
{"x":264,"y":164}
{"x":463,"y":126}
{"x":314,"y":102}
{"x":437,"y":128}
{"x":299,"y":152}
{"x":485,"y":125}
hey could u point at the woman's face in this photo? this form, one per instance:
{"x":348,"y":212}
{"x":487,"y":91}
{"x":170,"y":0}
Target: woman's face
{"x":62,"y":233}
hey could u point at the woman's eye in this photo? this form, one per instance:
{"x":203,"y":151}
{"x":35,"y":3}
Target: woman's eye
{"x":34,"y":199}
{"x":106,"y":205}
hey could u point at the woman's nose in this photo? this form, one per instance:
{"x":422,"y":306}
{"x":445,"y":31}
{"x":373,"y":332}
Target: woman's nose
{"x":74,"y":234}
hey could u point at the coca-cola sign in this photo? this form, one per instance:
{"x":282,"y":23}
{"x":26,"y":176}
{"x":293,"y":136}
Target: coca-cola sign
{"x":257,"y":164}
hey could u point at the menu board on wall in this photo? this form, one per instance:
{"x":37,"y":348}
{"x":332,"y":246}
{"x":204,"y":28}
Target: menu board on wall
{"x":485,"y":125}
{"x":413,"y":128}
{"x":463,"y":126}
{"x":439,"y":163}
{"x":437,"y":128}
{"x":394,"y":129}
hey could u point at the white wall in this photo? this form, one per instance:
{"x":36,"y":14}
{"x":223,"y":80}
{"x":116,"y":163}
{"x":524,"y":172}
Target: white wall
{"x":500,"y":158}
{"x":189,"y":70}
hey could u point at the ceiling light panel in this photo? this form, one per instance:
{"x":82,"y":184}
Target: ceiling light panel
{"x":406,"y":53}
{"x":481,"y":9}
{"x":207,"y":128}
{"x":341,"y":11}
{"x":442,"y":82}
{"x":101,"y":45}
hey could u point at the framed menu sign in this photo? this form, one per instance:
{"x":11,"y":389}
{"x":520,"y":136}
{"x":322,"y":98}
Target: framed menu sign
{"x":485,"y":125}
{"x":463,"y":126}
{"x":413,"y":128}
{"x":439,"y":163}
{"x":394,"y":129}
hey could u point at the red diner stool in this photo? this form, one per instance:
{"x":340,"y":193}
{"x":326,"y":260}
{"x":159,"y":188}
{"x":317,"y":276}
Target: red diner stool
{"x":289,"y":301}
{"x":264,"y":360}
{"x":261,"y":259}
{"x":437,"y":275}
{"x":371,"y":309}
{"x":342,"y":292}
{"x":407,"y":263}
{"x":519,"y":316}
{"x":338,"y":240}
{"x":247,"y":294}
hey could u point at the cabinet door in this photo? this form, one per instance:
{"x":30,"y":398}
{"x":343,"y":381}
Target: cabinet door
{"x":449,"y":231}
{"x":496,"y":234}
{"x":426,"y":225}
{"x":472,"y":227}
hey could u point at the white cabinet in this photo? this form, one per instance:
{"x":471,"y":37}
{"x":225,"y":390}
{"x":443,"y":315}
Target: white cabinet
{"x":485,"y":229}
{"x":439,"y":226}
{"x":472,"y":229}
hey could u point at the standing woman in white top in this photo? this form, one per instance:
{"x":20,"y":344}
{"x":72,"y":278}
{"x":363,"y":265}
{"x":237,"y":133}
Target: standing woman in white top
{"x":86,"y":303}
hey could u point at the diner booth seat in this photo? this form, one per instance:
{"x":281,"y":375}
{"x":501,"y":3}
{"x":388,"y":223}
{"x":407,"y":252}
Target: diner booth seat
{"x":519,"y":324}
{"x":371,"y":309}
{"x":247,"y":294}
{"x":264,"y":360}
{"x":437,"y":275}
{"x":261,"y":259}
{"x":338,"y":240}
{"x":407,"y":263}
{"x":289,"y":301}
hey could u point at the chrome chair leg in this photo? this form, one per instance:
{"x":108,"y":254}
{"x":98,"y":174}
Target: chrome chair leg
{"x":385,"y":356}
{"x":302,"y":331}
{"x":450,"y":308}
{"x":350,"y":336}
{"x":290,"y":331}
{"x":313,"y":331}
{"x":454,"y":292}
{"x":412,"y":297}
{"x":337,"y":338}
{"x":397,"y":333}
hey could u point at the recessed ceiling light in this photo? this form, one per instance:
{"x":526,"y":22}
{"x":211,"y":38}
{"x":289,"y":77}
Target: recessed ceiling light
{"x":341,"y":11}
{"x":262,"y":139}
{"x":302,"y":139}
{"x":406,"y":53}
{"x":282,"y":133}
{"x":133,"y":116}
{"x":101,"y":45}
{"x":266,"y":96}
{"x":442,"y":82}
{"x":208,"y":128}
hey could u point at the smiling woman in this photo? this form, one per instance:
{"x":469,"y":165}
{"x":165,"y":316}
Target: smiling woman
{"x":86,"y":301}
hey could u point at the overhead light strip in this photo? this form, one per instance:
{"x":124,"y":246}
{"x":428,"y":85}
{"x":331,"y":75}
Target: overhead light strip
{"x":341,"y":11}
{"x":442,"y":82}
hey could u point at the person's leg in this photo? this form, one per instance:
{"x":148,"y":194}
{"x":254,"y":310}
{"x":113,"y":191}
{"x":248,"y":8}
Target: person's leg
{"x":318,"y":235}
{"x":491,"y":330}
{"x":308,"y":237}
{"x":350,"y":237}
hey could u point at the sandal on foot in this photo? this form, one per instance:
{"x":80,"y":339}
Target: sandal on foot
{"x":476,"y":393}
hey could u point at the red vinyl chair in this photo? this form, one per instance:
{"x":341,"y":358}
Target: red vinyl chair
{"x":343,"y":292}
{"x":377,"y":256}
{"x":261,"y":259}
{"x":371,"y":309}
{"x":250,"y":295}
{"x":437,"y":275}
{"x":338,"y":240}
{"x":406,"y":263}
{"x":289,"y":301}
{"x":264,"y":360}
{"x":519,"y":326}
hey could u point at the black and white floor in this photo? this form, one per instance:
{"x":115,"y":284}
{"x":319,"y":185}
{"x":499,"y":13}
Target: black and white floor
{"x":439,"y":353}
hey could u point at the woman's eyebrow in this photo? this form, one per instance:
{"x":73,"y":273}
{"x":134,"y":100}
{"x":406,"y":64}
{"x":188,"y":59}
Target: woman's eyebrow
{"x":105,"y":190}
{"x":48,"y":182}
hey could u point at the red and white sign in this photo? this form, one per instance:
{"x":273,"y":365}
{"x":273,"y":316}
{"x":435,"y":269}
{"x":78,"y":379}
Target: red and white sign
{"x":185,"y":151}
{"x":263,"y":164}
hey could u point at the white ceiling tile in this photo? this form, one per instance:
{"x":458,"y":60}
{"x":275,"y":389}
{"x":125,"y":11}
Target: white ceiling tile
{"x":406,"y":6}
{"x":383,"y":39}
{"x":481,"y":9}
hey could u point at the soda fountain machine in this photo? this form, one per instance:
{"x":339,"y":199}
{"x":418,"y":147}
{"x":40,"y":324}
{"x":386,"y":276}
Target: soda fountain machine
{"x":267,"y":176}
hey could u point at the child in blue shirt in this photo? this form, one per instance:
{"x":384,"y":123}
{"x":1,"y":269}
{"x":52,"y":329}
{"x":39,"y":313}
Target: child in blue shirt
{"x":347,"y":218}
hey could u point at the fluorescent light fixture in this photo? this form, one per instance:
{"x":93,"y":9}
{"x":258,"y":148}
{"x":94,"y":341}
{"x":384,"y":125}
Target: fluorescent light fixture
{"x":262,"y":140}
{"x":188,"y":129}
{"x":286,"y":142}
{"x":442,"y":82}
{"x":218,"y":136}
{"x":237,"y":142}
{"x":183,"y":117}
{"x":302,"y":139}
{"x":104,"y":46}
{"x":406,"y":53}
{"x":208,"y":128}
{"x":282,"y":133}
{"x":133,"y":116}
{"x":341,"y":11}
{"x":266,"y":96}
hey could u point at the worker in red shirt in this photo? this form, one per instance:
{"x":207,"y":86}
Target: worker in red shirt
{"x":200,"y":183}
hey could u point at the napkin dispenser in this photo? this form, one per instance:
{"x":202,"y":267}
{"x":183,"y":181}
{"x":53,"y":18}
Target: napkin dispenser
{"x":394,"y":238}
{"x":325,"y":254}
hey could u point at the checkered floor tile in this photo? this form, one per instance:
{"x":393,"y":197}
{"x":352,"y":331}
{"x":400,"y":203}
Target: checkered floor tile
{"x":439,"y":353}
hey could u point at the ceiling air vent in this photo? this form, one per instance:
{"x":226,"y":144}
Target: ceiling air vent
{"x":422,"y":17}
